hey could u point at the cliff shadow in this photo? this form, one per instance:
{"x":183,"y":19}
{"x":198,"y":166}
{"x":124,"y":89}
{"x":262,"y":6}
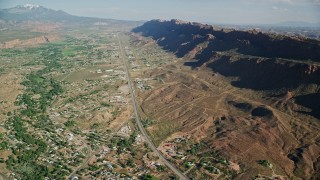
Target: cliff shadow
{"x":268,"y":74}
{"x":311,"y":101}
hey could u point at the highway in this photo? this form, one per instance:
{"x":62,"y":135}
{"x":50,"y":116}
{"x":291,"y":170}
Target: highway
{"x":138,"y":120}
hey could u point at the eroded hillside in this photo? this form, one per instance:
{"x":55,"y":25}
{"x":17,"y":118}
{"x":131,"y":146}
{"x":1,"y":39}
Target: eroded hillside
{"x":246,"y":97}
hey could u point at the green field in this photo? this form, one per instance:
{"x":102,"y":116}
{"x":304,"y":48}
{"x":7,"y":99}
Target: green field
{"x":72,"y":50}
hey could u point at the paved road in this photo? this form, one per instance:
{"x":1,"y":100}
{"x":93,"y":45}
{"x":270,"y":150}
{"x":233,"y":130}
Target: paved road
{"x":138,"y":120}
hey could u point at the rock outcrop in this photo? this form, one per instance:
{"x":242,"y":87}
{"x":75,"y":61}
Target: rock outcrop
{"x":181,"y":37}
{"x":264,"y":62}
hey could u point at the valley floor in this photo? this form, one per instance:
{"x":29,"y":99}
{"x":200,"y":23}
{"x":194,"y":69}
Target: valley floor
{"x":67,"y":112}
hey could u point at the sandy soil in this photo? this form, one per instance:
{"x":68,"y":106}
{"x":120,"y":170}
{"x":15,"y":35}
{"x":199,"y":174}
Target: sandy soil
{"x":124,"y":89}
{"x":30,"y":42}
{"x":10,"y":89}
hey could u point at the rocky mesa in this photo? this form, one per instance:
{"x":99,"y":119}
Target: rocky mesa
{"x":260,"y":61}
{"x":181,"y":37}
{"x":271,"y":111}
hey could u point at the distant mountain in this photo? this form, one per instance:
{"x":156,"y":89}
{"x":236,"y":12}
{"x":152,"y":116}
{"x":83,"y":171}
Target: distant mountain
{"x":30,"y":12}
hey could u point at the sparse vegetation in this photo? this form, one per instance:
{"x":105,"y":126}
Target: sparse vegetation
{"x":70,"y":123}
{"x":264,"y":163}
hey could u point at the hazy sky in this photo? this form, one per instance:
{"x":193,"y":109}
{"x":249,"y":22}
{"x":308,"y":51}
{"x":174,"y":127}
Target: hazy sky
{"x":211,"y":11}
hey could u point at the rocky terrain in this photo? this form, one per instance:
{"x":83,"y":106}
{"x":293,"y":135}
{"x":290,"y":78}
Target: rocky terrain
{"x":181,"y":37}
{"x":29,"y":42}
{"x":247,"y":94}
{"x":260,"y":61}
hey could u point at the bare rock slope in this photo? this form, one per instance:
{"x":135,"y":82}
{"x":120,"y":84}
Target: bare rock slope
{"x":279,"y":121}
